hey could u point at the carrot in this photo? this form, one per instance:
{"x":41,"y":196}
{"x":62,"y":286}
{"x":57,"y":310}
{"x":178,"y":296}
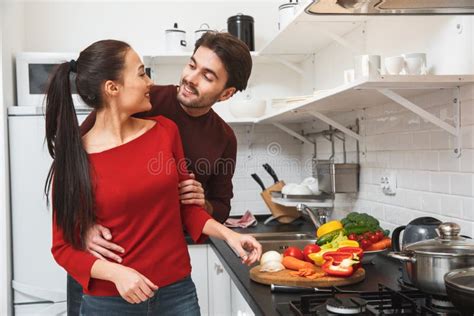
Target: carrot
{"x":292,"y":263}
{"x":381,"y":245}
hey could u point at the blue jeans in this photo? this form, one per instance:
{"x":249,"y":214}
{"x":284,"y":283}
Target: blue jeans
{"x":74,"y":296}
{"x":177,"y":299}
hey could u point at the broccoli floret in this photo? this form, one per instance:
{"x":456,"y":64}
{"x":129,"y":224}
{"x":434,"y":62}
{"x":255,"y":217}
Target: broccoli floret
{"x":352,"y":216}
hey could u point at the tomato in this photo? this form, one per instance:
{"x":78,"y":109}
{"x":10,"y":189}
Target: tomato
{"x":380,"y":235}
{"x":311,"y":248}
{"x":294,"y":252}
{"x":365,"y":243}
{"x":367,"y":235}
{"x":352,"y":236}
{"x":360,"y":237}
{"x":373,"y":238}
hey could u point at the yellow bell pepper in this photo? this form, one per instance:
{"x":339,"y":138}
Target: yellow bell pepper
{"x":348,"y":243}
{"x":328,"y":227}
{"x":317,"y":257}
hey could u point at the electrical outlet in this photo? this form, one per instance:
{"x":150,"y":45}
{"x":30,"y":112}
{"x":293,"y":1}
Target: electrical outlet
{"x":388,"y":183}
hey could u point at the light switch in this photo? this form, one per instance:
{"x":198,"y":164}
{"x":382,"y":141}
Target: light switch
{"x":388,"y":183}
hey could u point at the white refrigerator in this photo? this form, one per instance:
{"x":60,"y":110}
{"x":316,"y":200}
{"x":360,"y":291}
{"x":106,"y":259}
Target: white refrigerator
{"x":39,"y":283}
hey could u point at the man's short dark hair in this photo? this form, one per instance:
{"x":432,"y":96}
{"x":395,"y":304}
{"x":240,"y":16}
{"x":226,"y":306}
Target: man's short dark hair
{"x":233,"y":53}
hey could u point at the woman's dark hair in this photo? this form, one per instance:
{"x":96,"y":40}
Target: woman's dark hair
{"x":70,"y":174}
{"x":234,"y":54}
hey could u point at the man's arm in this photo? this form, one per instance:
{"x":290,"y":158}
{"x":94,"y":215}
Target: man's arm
{"x":219,"y":187}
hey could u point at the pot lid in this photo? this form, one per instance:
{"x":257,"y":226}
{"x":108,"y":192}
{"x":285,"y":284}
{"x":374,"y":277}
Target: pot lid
{"x":240,"y":17}
{"x":175,"y":29}
{"x":461,"y":278}
{"x":203,"y":28}
{"x":449,"y":243}
{"x":288,"y":5}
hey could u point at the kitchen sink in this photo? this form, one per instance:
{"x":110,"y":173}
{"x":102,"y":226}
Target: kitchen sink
{"x":281,"y":241}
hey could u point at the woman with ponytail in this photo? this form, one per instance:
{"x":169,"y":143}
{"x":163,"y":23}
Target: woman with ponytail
{"x":123,"y":174}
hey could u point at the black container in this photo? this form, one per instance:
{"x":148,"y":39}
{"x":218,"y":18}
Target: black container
{"x":241,"y":26}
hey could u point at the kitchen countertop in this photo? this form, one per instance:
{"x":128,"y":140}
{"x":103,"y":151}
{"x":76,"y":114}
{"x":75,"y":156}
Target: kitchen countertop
{"x":262,"y":300}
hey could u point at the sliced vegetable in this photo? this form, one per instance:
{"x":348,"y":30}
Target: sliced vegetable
{"x":308,"y":249}
{"x":343,"y":269}
{"x":357,"y":253}
{"x":292,"y":263}
{"x":337,"y":256}
{"x":328,"y":228}
{"x":317,"y":258}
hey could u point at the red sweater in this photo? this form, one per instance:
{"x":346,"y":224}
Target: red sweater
{"x":136,"y":196}
{"x":209,"y":145}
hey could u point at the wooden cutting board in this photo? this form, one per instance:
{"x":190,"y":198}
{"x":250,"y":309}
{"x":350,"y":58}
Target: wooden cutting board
{"x":284,"y":277}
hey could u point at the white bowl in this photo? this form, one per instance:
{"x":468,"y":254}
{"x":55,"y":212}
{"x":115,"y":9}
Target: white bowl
{"x":299,"y":189}
{"x":415,"y":64}
{"x":312,"y":184}
{"x":247,"y":108}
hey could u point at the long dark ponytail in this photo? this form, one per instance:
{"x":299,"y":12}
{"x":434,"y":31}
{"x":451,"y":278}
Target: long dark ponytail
{"x":70,"y":173}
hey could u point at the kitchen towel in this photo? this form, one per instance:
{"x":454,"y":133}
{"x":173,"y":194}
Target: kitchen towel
{"x":247,"y":220}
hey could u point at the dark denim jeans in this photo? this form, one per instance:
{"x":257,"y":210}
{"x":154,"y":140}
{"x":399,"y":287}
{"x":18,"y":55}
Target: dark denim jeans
{"x":177,"y":299}
{"x":74,"y":296}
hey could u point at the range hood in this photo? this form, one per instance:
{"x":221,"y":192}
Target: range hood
{"x":390,"y":7}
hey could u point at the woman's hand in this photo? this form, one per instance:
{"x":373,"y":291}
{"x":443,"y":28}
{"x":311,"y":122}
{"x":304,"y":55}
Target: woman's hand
{"x":133,"y":286}
{"x":248,"y":248}
{"x":97,"y":243}
{"x":191,"y":192}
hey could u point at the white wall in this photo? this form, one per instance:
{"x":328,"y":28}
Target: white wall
{"x":430,"y":181}
{"x":5,"y":249}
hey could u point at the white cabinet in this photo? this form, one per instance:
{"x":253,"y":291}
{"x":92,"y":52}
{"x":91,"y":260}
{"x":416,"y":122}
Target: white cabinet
{"x":219,"y":286}
{"x":199,"y":263}
{"x":239,"y":306}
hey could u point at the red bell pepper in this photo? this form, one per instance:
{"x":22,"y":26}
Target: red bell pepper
{"x":357,"y":254}
{"x":339,"y":264}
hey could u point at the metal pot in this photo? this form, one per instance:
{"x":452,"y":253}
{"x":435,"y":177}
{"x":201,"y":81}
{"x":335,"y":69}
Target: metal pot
{"x":460,"y":288}
{"x":427,"y":261}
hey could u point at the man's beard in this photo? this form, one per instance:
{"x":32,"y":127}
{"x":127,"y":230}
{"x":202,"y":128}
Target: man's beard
{"x":200,"y":102}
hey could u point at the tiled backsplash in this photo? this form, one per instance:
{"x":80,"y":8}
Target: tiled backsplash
{"x":431,"y":181}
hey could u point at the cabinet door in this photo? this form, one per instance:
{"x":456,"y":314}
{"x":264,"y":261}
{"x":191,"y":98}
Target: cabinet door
{"x":240,"y":307}
{"x":198,"y":254}
{"x":219,"y":286}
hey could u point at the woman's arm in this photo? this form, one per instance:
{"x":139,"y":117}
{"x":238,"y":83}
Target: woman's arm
{"x":132,"y":286}
{"x":246,"y":246}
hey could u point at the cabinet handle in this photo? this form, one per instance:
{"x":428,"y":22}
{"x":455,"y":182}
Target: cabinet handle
{"x":218,"y":268}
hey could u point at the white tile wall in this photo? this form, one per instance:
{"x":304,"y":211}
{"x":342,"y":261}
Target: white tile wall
{"x":431,"y":181}
{"x":267,"y":145}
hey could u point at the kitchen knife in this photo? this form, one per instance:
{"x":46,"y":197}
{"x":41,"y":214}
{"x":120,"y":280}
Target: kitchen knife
{"x":301,"y":289}
{"x":271,"y":172}
{"x":258,"y":180}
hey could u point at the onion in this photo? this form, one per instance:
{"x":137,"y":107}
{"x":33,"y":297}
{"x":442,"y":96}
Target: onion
{"x":271,"y":255}
{"x":272,"y":266}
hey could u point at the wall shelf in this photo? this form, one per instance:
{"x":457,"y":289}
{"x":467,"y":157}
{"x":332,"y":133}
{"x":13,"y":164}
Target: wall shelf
{"x":363,"y":93}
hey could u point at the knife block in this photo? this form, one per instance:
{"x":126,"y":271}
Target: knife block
{"x":283,"y":214}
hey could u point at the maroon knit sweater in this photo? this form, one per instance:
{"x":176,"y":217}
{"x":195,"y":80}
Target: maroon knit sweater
{"x":210,"y":146}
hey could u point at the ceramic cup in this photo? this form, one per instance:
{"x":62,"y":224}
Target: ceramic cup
{"x":394,"y":65}
{"x":349,"y":75}
{"x":415,"y":64}
{"x":366,"y":66}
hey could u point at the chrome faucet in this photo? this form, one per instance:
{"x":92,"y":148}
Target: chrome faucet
{"x":318,"y":219}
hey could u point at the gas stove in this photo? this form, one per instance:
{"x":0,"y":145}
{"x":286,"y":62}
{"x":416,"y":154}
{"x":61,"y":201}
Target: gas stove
{"x":385,"y":301}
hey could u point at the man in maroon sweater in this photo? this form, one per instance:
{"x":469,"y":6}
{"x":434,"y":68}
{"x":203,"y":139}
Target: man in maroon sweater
{"x":219,"y":67}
